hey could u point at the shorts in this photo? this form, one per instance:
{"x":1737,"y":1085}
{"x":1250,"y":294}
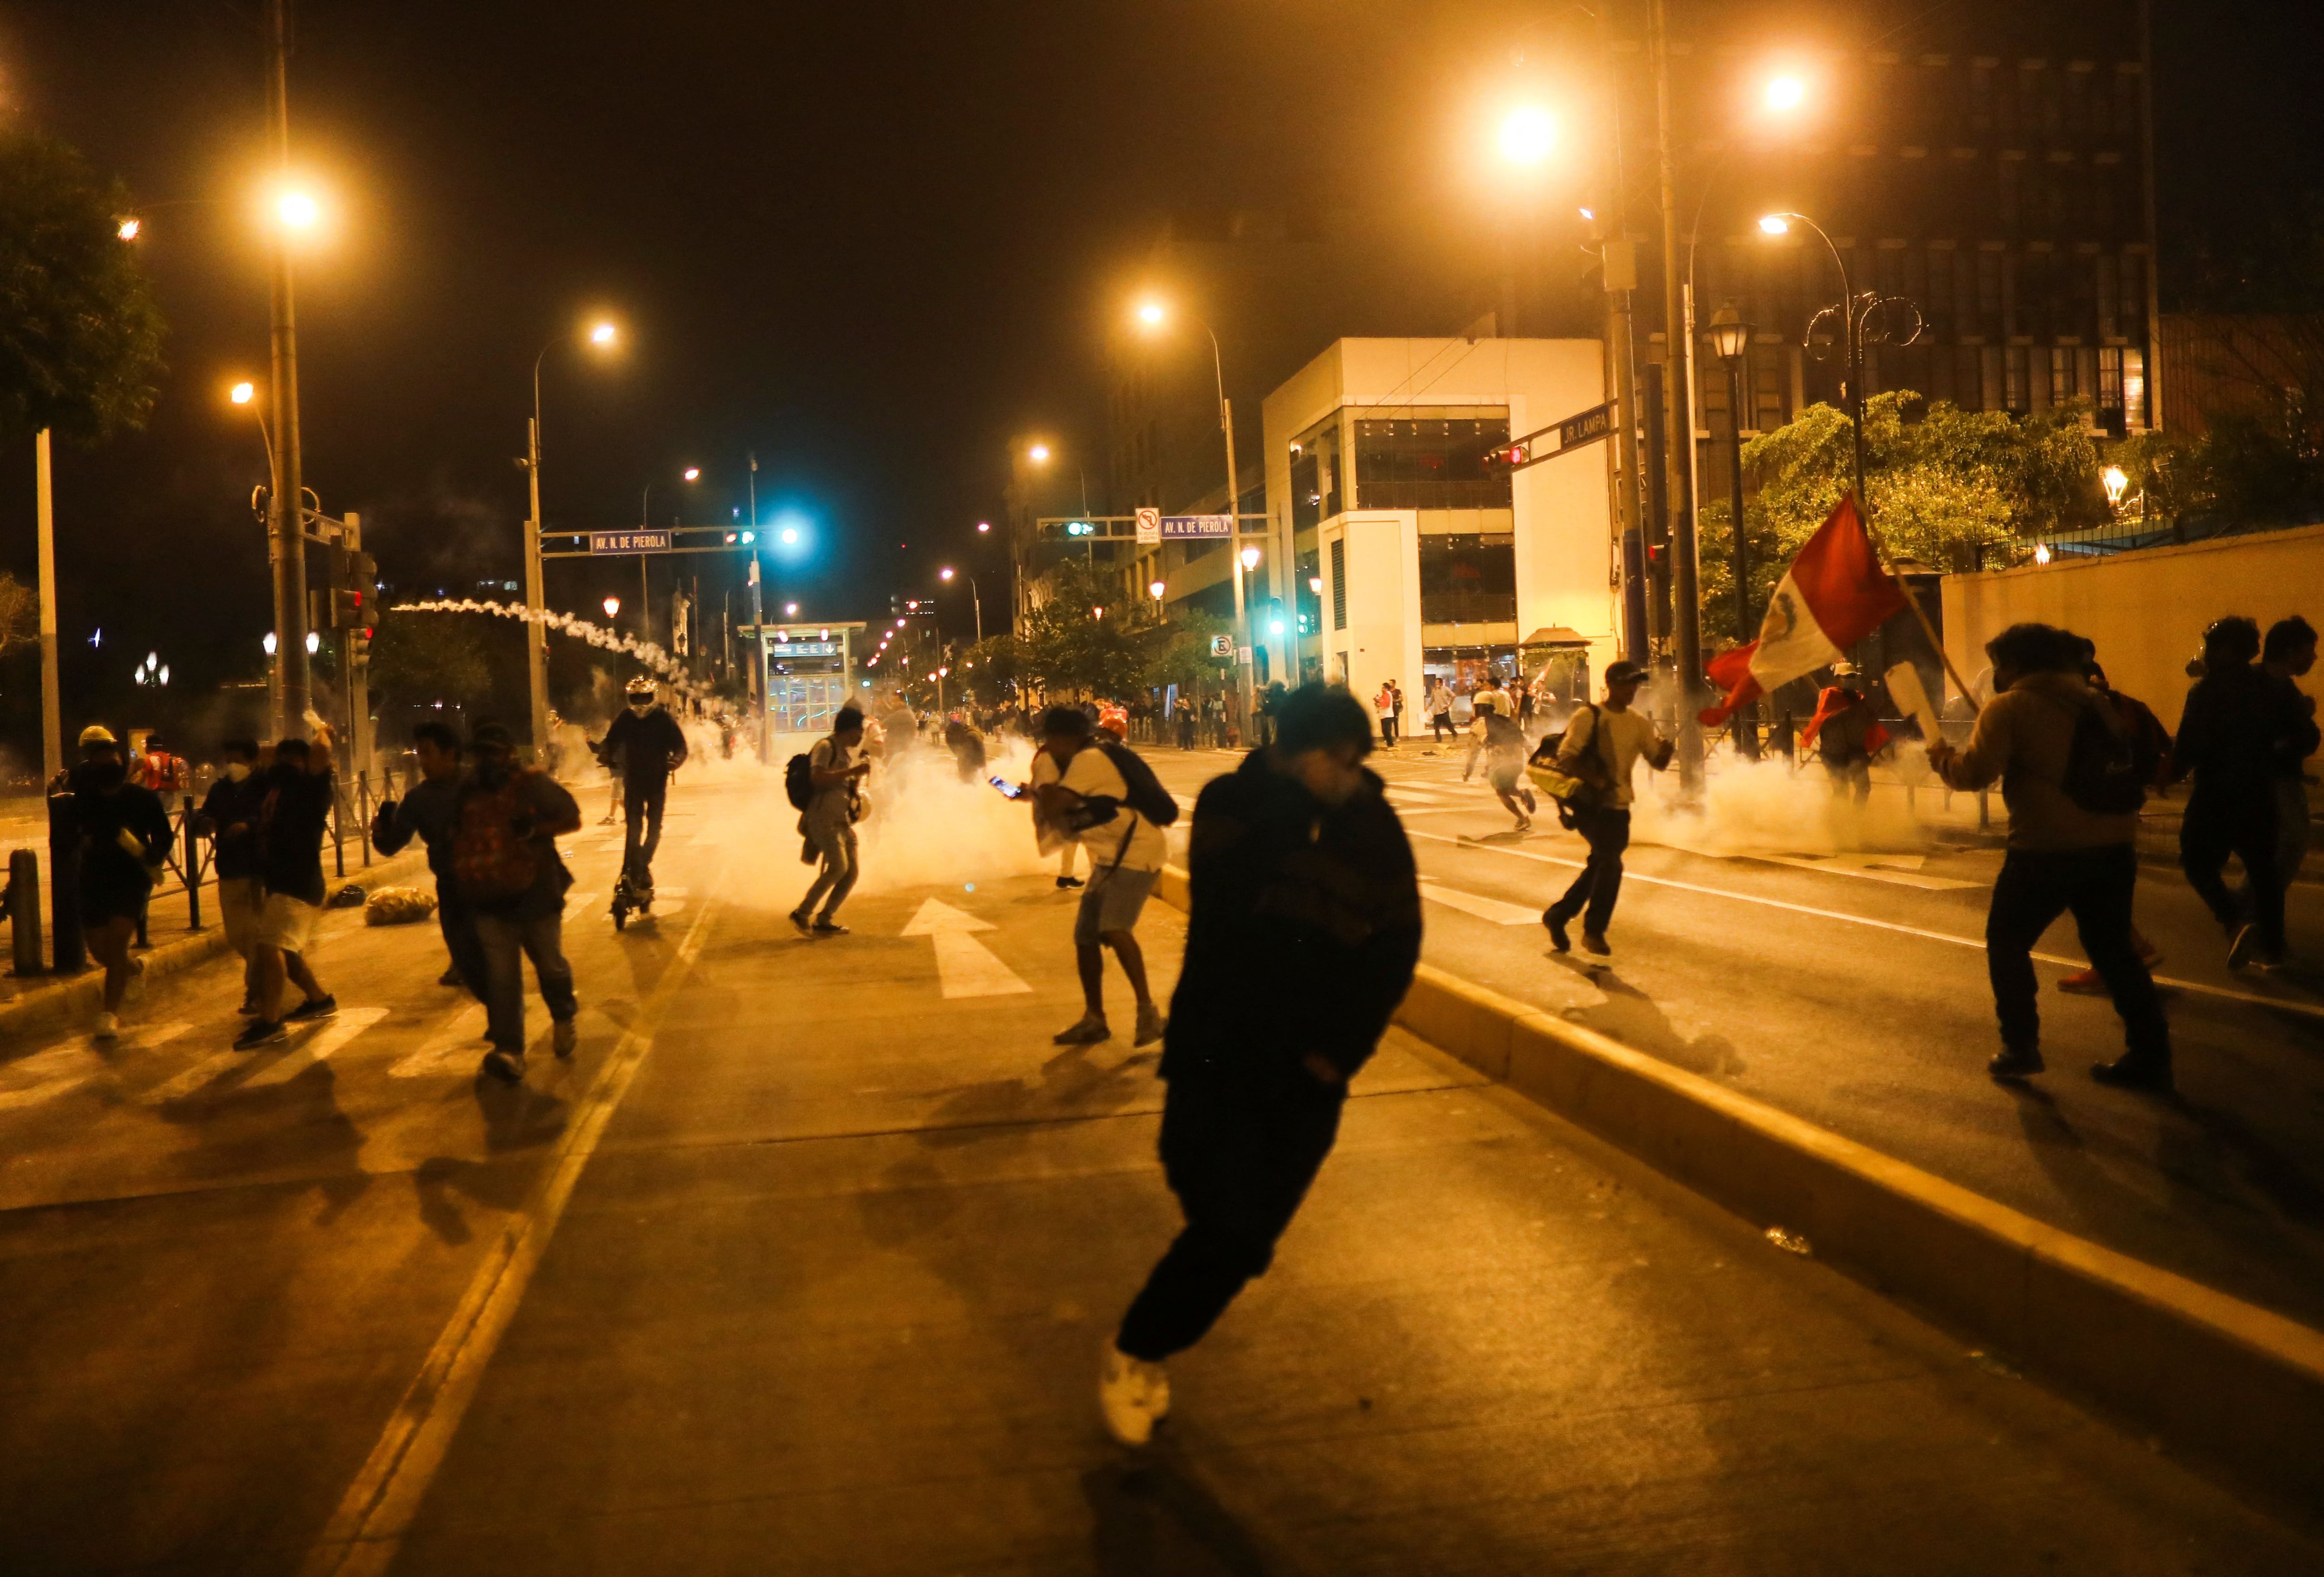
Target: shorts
{"x":241,"y":900}
{"x":287,"y":923}
{"x":1503,"y":772}
{"x":1112,"y":902}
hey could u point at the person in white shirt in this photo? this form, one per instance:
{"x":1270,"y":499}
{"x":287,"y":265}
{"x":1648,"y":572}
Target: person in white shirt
{"x":1603,"y":746}
{"x":1490,"y":698}
{"x":1045,"y":772}
{"x":1091,"y":800}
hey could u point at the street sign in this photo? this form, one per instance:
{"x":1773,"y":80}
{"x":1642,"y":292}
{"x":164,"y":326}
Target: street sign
{"x":1223,"y":647}
{"x":628,"y":541}
{"x":1196,"y":525}
{"x":1588,"y":426}
{"x":1149,"y":527}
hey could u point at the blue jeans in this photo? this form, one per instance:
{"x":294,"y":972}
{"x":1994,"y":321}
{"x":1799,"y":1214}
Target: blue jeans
{"x":505,"y":942}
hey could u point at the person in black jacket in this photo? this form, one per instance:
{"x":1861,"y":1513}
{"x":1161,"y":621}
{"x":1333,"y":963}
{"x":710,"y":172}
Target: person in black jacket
{"x":430,"y":810}
{"x":2231,"y":737}
{"x":124,"y":837}
{"x":229,"y":818}
{"x":647,"y":744}
{"x":1303,"y":931}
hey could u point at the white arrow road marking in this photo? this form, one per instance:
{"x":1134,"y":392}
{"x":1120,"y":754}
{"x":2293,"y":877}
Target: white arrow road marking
{"x":1484,"y":909}
{"x":317,"y":1048}
{"x":454,"y":1044}
{"x":966,"y":967}
{"x":45,"y":1075}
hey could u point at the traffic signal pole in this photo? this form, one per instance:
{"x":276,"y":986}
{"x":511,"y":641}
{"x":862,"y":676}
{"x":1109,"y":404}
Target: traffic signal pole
{"x":1687,"y":646}
{"x":536,"y":636}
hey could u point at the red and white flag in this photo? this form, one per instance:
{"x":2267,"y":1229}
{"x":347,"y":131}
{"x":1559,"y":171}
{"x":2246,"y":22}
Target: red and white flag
{"x":1834,"y":594}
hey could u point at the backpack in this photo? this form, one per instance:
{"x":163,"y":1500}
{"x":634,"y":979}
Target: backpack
{"x":1146,"y":794}
{"x":1572,"y":792}
{"x":2104,"y":774}
{"x":490,"y":859}
{"x":798,"y":782}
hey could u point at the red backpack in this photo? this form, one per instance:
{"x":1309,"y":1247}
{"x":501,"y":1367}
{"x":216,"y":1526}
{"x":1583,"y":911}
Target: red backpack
{"x":492,"y":861}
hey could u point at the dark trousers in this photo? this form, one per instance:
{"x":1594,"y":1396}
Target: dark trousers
{"x":2035,"y":888}
{"x":1240,"y":1159}
{"x":458,"y":923}
{"x":2244,"y":826}
{"x":1607,"y":831}
{"x":1439,"y":724}
{"x":642,"y":808}
{"x":1387,"y":731}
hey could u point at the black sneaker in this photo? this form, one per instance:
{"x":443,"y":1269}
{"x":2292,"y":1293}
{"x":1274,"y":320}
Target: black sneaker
{"x":508,"y":1065}
{"x":2016,"y":1063}
{"x":249,"y":1009}
{"x":450,"y":977}
{"x":2128,"y":1073}
{"x":799,"y":919}
{"x":1594,"y":942}
{"x":2240,"y":949}
{"x":1558,"y":937}
{"x":827,"y":927}
{"x":323,"y":1007}
{"x":261,"y":1032}
{"x":1067,"y":882}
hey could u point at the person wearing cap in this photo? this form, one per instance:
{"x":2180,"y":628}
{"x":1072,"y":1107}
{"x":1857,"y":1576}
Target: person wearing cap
{"x":1602,"y":749}
{"x":531,"y":924}
{"x":123,"y":836}
{"x":300,"y":795}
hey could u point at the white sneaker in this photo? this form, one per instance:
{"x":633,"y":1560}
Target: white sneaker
{"x":108,"y":1026}
{"x":1133,"y":1395}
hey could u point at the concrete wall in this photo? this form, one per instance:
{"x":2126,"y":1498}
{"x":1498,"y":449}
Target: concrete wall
{"x":1382,"y":640}
{"x":2146,"y":610}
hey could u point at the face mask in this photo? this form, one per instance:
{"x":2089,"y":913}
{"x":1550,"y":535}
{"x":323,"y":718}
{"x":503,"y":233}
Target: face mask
{"x":642,"y":707}
{"x":235,"y":771}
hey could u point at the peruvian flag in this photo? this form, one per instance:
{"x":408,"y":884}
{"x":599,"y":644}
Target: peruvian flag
{"x":1834,"y":594}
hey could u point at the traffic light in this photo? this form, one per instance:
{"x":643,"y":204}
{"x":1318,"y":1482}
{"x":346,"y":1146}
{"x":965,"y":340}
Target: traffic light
{"x":1080,"y":528}
{"x":1500,"y":462}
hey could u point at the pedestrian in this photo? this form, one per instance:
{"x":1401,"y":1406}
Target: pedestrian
{"x":2070,"y":847}
{"x":1384,"y":709}
{"x":1303,"y":931}
{"x":1486,"y":701}
{"x":1045,"y":771}
{"x":431,"y":811}
{"x":2154,"y":744}
{"x":514,"y":883}
{"x":1395,"y":707}
{"x":1846,"y":735}
{"x":122,"y":835}
{"x":229,"y":818}
{"x":301,"y":793}
{"x":1524,"y":707}
{"x":1440,"y":712}
{"x":1183,"y":712}
{"x":836,"y":767}
{"x":1090,"y":801}
{"x":647,"y":746}
{"x":2235,"y":731}
{"x":2286,"y":655}
{"x":1600,"y":752}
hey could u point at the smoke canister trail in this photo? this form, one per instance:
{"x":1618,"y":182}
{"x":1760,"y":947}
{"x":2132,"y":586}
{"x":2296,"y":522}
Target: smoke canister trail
{"x":646,"y":653}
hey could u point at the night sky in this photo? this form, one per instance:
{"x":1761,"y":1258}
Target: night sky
{"x":872,"y":244}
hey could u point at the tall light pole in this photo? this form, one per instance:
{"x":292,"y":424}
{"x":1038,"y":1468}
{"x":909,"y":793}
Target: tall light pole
{"x":603,"y":336}
{"x":1731,"y":337}
{"x":758,"y":616}
{"x":1851,"y":315}
{"x":286,"y":526}
{"x":1153,"y":315}
{"x":1687,"y":614}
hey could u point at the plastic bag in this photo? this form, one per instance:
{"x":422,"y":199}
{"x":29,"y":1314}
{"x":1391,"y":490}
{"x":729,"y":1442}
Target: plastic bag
{"x":398,"y":906}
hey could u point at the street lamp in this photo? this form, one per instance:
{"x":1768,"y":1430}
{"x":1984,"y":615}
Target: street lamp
{"x":613,"y":606}
{"x":1851,"y":318}
{"x":603,"y":336}
{"x":2116,"y":482}
{"x":128,"y":228}
{"x":1153,"y":315}
{"x":1038,"y":454}
{"x":1156,"y":589}
{"x":693,"y":472}
{"x":1730,"y":341}
{"x":944,"y":573}
{"x":1529,"y":135}
{"x":1784,"y":94}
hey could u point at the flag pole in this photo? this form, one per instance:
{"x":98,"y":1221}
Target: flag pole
{"x":1919,"y":612}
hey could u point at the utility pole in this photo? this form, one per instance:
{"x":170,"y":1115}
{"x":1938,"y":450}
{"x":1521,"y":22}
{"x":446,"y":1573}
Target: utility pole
{"x":1618,"y":256}
{"x":53,"y":721}
{"x":355,"y":653}
{"x":286,"y":523}
{"x":758,"y":659}
{"x":1243,"y":670}
{"x":1688,"y":615}
{"x":535,"y":631}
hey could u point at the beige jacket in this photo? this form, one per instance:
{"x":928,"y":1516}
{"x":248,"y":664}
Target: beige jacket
{"x":2022,"y":737}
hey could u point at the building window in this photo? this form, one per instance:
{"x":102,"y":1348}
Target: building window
{"x":2134,"y":387}
{"x":1307,"y":492}
{"x":1990,"y":382}
{"x":2061,"y":376}
{"x":2016,"y":375}
{"x":1430,"y":464}
{"x":2132,"y":319}
{"x":1467,"y":579}
{"x":1340,"y":583}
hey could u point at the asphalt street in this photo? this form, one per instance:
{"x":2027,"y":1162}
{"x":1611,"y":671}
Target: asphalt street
{"x":1850,"y":989}
{"x":802,"y":1263}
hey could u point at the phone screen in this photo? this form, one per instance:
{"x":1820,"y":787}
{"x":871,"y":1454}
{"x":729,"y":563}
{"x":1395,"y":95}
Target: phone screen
{"x":1010,"y":790}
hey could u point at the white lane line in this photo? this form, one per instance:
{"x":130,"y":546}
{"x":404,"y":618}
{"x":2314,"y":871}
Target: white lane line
{"x":61,"y":1070}
{"x":2311,"y":1010}
{"x":1897,"y":870}
{"x":452,"y":1044}
{"x":211,"y":1067}
{"x":366,"y":1533}
{"x":1484,"y":909}
{"x":316,"y":1048}
{"x":965,"y":967}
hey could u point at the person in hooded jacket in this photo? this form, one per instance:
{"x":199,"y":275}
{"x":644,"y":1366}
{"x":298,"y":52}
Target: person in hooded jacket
{"x":123,"y":836}
{"x":1302,"y":934}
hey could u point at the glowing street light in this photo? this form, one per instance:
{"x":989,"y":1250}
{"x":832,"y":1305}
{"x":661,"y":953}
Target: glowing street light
{"x":790,"y":536}
{"x":129,"y":228}
{"x":298,"y":210}
{"x":983,"y":526}
{"x":945,"y":573}
{"x":1529,"y":135}
{"x":790,"y":610}
{"x":611,"y":605}
{"x":1251,"y":558}
{"x":2116,"y":482}
{"x":1038,"y":454}
{"x":603,"y":334}
{"x":243,"y":393}
{"x":1156,"y":589}
{"x":1775,"y":224}
{"x":693,"y":472}
{"x":1784,"y":94}
{"x":1151,"y":313}
{"x":269,"y":643}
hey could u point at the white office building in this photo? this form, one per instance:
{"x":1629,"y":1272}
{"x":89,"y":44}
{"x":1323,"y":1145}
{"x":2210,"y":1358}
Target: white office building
{"x":1416,"y":559}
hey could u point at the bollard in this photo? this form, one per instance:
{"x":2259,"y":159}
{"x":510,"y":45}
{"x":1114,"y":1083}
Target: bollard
{"x":68,"y":950}
{"x":192,"y":872}
{"x":24,"y":909}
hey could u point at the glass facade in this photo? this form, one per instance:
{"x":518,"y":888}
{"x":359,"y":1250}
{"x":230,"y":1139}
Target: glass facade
{"x":1427,"y":464}
{"x":1467,"y":579}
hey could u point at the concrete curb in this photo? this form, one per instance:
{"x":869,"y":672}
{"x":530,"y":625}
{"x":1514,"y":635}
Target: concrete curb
{"x":2211,"y":1374}
{"x":61,"y":1000}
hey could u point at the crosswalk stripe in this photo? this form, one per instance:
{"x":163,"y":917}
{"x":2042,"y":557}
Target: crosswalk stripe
{"x":1484,"y":909}
{"x":454,"y":1044}
{"x":45,"y":1075}
{"x":315,"y":1049}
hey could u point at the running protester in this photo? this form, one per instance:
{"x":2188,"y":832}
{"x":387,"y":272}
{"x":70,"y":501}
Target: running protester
{"x":514,"y":883}
{"x":300,"y":794}
{"x":835,"y":766}
{"x":1601,"y":750}
{"x":647,"y":746}
{"x":229,"y":818}
{"x":1090,"y":801}
{"x":431,"y":811}
{"x":124,"y":837}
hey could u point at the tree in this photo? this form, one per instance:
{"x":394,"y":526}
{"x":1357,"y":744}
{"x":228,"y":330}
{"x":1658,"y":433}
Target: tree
{"x":19,"y":609}
{"x":990,"y":669}
{"x":1075,"y":642}
{"x":1182,"y":657}
{"x":417,"y":658}
{"x":1945,"y":484}
{"x":80,"y":336}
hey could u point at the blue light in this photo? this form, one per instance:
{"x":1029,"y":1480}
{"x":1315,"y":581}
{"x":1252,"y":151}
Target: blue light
{"x":790,"y":536}
{"x":1276,"y":627}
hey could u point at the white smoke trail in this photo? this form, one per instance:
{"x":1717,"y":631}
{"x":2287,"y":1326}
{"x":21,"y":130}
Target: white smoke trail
{"x":648,"y":653}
